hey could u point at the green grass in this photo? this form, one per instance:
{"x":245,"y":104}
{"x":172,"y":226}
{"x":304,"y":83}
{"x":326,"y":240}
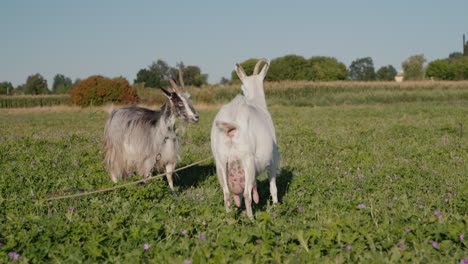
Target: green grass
{"x":390,"y":158}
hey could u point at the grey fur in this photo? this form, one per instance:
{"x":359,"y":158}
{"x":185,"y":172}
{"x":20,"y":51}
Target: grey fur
{"x":140,"y":140}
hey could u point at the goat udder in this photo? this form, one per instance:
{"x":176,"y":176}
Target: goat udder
{"x":236,"y":177}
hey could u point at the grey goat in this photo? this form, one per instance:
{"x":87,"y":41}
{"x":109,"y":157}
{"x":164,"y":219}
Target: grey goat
{"x":140,"y":140}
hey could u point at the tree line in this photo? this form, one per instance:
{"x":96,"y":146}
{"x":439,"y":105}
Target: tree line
{"x":289,"y":67}
{"x":154,"y":76}
{"x":294,"y":67}
{"x":37,"y":84}
{"x":454,"y":67}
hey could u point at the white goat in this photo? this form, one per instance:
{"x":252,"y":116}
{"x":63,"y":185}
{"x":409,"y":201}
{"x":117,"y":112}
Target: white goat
{"x":243,"y":141}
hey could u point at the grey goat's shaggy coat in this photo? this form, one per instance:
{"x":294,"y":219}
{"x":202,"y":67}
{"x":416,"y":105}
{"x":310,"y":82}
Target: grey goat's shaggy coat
{"x":140,"y":140}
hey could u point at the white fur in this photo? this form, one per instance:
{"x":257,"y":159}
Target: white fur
{"x":254,"y":140}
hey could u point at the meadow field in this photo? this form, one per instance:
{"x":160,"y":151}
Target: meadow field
{"x":291,"y":93}
{"x":376,"y":180}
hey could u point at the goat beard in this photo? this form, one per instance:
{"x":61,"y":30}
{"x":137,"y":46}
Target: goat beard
{"x":182,"y":126}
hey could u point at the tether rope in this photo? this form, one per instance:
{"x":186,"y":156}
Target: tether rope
{"x":49,"y":198}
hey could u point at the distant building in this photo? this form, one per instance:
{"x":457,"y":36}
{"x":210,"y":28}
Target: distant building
{"x":399,"y":77}
{"x":465,"y":46}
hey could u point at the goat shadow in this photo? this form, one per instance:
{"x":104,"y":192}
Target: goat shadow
{"x":283,"y":180}
{"x":193,"y":176}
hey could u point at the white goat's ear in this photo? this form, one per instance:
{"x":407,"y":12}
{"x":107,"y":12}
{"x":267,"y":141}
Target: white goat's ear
{"x":166,"y":93}
{"x":240,"y":72}
{"x":265,"y":68}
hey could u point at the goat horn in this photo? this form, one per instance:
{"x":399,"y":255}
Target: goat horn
{"x":173,"y":83}
{"x":181,"y":78}
{"x":257,"y":66}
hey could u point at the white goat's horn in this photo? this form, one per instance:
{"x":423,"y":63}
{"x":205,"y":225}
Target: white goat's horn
{"x":257,"y":66}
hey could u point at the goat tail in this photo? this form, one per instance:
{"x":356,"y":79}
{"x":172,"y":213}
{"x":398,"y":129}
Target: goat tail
{"x":229,"y":128}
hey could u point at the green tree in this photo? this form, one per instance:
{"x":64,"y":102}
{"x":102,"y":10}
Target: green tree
{"x":460,"y":68}
{"x":154,"y":75}
{"x":455,"y":56}
{"x":325,"y":69}
{"x":289,"y":67}
{"x":413,"y":67}
{"x":386,"y":73}
{"x":61,"y":84}
{"x":6,"y":88}
{"x":455,"y":67}
{"x":36,"y":84}
{"x":223,"y":81}
{"x":294,"y":67}
{"x":192,"y":76}
{"x":362,"y":69}
{"x":147,"y":77}
{"x":19,"y":90}
{"x":440,"y":70}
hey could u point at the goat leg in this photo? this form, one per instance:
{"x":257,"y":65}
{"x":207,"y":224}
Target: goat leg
{"x":250,"y":182}
{"x":220,"y":170}
{"x":169,"y":171}
{"x":273,"y":189}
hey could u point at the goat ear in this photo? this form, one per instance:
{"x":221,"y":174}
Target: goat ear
{"x":166,"y":93}
{"x":240,"y":72}
{"x":265,"y":69}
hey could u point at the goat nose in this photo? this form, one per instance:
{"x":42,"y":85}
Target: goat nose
{"x":195,"y":118}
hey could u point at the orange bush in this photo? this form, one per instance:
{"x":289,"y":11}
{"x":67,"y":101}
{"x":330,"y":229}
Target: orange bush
{"x":97,"y":90}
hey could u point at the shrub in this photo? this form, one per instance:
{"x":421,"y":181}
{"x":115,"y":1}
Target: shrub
{"x":97,"y":90}
{"x":440,"y":70}
{"x":294,"y":67}
{"x":289,"y":67}
{"x":205,"y":97}
{"x":326,"y":69}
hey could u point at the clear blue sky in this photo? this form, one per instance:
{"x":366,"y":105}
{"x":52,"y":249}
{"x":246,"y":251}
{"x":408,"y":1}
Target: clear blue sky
{"x":118,"y":38}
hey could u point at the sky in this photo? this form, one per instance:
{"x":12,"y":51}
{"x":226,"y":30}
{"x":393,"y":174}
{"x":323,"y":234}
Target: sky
{"x":118,"y":38}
